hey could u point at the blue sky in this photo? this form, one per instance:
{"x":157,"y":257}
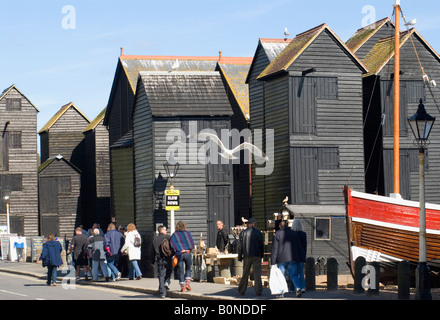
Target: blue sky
{"x":53,"y":65}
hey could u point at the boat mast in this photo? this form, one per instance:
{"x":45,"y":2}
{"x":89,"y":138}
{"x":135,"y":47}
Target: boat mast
{"x":397,"y":98}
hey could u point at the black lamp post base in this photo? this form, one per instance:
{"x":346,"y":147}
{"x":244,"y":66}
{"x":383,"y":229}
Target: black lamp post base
{"x":423,"y":282}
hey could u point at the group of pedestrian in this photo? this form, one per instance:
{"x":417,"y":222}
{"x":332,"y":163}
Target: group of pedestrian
{"x":93,"y":251}
{"x":105,"y":250}
{"x":289,"y":248}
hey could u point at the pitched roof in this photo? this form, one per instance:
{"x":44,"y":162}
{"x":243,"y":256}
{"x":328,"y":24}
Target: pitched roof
{"x":59,"y":157}
{"x":383,"y":51}
{"x":298,"y":45}
{"x":131,"y":65}
{"x":362,"y":35}
{"x":92,"y":125}
{"x":8,"y":89}
{"x":235,"y":74}
{"x":172,"y":94}
{"x":271,"y":47}
{"x":59,"y":114}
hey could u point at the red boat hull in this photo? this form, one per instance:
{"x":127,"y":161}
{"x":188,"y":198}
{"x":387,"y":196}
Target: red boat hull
{"x":387,"y":229}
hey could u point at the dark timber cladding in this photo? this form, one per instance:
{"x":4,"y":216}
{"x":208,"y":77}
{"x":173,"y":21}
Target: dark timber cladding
{"x":96,"y":173}
{"x":59,"y":197}
{"x":185,"y":102}
{"x":62,"y":134}
{"x":267,"y":50}
{"x":379,"y":110}
{"x":312,"y":98}
{"x":18,"y":161}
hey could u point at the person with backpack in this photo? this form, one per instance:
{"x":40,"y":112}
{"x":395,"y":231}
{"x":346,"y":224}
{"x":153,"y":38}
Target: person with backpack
{"x":96,"y":245}
{"x":183,"y":243}
{"x":163,"y":254}
{"x":132,"y":247}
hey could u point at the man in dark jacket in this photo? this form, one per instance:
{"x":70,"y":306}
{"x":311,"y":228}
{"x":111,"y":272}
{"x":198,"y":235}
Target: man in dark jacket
{"x":222,"y":236}
{"x":251,"y":251}
{"x":285,"y":253}
{"x":114,"y":240}
{"x":163,"y":253}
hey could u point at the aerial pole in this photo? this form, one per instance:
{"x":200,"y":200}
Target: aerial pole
{"x":397,"y":98}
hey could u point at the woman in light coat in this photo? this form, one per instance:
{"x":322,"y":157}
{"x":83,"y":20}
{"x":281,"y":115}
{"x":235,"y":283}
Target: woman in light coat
{"x":134,"y":252}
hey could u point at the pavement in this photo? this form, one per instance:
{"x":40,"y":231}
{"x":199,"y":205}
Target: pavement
{"x":214,"y":291}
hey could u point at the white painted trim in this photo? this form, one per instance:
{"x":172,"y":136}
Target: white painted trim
{"x":397,"y":201}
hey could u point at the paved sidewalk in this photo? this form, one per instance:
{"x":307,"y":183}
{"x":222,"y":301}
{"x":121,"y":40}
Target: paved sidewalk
{"x":211,"y":291}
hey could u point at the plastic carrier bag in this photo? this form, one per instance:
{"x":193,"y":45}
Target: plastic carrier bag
{"x":277,"y":281}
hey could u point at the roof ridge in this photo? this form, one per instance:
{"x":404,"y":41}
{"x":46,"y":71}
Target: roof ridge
{"x":276,"y":40}
{"x":375,"y":24}
{"x":315,"y":29}
{"x":59,"y":114}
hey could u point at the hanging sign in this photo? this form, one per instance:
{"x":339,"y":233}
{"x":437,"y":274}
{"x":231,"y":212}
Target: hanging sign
{"x":172,"y":200}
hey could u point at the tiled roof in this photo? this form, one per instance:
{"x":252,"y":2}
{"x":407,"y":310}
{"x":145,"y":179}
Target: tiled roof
{"x":271,"y":47}
{"x":59,"y":114}
{"x":383,"y":51}
{"x":134,"y":64}
{"x":235,"y":75}
{"x":172,"y":94}
{"x":300,"y":43}
{"x":363,"y":34}
{"x":95,"y":121}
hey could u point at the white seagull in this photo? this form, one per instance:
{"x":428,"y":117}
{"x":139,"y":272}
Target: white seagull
{"x":228,"y":153}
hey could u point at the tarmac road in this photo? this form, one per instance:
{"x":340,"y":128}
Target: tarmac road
{"x":21,"y":287}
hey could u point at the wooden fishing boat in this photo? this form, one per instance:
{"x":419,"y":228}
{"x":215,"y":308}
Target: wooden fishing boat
{"x":386,"y":229}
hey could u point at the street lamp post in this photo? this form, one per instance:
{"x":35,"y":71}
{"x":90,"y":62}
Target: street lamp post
{"x":7,"y":197}
{"x":171,"y":167}
{"x":421,"y":125}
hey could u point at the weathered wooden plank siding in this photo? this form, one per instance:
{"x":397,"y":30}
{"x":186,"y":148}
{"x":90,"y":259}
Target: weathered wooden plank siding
{"x":191,"y":180}
{"x":411,"y":71}
{"x":102,"y":169}
{"x":338,"y":122}
{"x":257,"y":117}
{"x":69,"y":203}
{"x":143,"y":154}
{"x":276,"y":104}
{"x":22,"y":161}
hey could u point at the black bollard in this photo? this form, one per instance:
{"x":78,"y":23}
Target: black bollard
{"x":310,"y":274}
{"x":403,"y":280}
{"x":359,"y":264}
{"x":373,"y":287}
{"x":332,"y":274}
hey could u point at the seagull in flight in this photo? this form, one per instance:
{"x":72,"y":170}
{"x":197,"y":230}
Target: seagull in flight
{"x":229,"y":153}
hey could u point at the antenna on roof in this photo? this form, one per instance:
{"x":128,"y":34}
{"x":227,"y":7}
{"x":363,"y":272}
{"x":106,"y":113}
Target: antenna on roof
{"x":286,"y":33}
